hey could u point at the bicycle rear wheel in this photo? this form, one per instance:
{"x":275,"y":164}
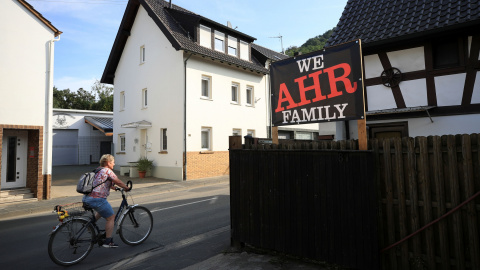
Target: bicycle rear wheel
{"x":71,"y":242}
{"x":136,"y":225}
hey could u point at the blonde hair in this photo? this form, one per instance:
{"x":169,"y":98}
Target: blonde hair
{"x":106,"y":158}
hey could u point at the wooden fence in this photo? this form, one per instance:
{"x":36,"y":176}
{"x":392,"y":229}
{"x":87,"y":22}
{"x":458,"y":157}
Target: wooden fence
{"x":421,"y":184}
{"x":327,"y":213}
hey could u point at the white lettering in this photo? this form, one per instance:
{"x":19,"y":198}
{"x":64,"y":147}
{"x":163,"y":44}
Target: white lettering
{"x":286,"y":115}
{"x":341,"y":110}
{"x":302,"y":65}
{"x":320,"y":116}
{"x":327,"y":114}
{"x":318,"y":62}
{"x":295,"y":117}
{"x":309,"y":115}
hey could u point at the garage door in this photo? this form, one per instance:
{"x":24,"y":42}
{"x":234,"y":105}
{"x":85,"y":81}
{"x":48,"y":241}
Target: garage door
{"x":65,"y":147}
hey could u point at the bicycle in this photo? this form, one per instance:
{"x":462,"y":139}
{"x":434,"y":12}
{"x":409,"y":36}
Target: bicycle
{"x":74,"y":237}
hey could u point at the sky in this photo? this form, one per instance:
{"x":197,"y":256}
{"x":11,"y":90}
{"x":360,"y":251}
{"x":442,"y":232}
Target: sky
{"x":89,"y":28}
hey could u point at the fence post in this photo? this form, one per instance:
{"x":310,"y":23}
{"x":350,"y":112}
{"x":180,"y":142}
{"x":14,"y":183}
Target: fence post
{"x":235,"y":142}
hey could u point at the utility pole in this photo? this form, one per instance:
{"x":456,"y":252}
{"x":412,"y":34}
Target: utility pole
{"x":281,"y":41}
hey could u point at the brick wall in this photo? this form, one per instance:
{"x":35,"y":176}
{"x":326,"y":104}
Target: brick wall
{"x":207,"y":164}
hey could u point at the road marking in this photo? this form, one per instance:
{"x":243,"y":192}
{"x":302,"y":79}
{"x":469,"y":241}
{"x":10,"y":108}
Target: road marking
{"x":167,"y":208}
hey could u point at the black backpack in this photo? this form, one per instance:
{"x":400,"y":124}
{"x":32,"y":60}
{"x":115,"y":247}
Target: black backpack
{"x":85,"y":183}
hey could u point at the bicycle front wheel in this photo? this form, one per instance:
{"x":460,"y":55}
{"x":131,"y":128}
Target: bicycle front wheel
{"x":71,"y":242}
{"x":136,"y":225}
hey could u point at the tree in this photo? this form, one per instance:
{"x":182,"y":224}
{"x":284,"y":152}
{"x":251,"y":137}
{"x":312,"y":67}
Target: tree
{"x":105,"y":97}
{"x":313,"y":44}
{"x":99,"y":99}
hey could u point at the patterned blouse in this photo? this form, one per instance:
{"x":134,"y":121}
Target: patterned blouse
{"x":104,"y":175}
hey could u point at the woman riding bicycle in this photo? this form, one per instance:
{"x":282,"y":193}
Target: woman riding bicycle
{"x":106,"y":179}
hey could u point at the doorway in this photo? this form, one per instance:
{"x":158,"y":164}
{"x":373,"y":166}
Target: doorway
{"x":14,"y":159}
{"x":105,"y":148}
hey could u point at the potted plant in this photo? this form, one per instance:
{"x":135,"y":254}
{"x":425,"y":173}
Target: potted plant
{"x":143,"y":165}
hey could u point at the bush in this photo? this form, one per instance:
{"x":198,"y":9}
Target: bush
{"x":144,"y":164}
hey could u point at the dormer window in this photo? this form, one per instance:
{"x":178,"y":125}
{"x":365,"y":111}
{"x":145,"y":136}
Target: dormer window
{"x":244,"y":50}
{"x":232,"y":46}
{"x":205,"y":36}
{"x":219,"y":41}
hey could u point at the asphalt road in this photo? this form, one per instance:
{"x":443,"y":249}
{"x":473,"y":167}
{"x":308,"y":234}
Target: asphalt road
{"x":189,"y":226}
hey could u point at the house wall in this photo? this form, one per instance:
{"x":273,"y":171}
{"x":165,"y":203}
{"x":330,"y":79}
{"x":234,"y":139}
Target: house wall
{"x":24,"y":57}
{"x":162,"y":74}
{"x":220,"y":114}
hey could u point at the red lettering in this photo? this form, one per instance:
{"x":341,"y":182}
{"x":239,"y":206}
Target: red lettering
{"x":315,"y":86}
{"x":333,"y":81}
{"x":288,"y":98}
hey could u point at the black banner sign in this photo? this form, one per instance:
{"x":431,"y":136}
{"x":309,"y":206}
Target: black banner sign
{"x":318,"y":87}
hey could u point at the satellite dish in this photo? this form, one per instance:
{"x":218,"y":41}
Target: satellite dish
{"x":229,"y":24}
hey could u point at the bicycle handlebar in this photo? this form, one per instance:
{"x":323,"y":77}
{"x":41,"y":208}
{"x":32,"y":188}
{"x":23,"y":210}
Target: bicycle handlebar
{"x":129,"y":185}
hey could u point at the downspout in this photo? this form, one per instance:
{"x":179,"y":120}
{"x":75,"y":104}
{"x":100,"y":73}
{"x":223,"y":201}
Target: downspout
{"x":49,"y":112}
{"x":185,"y":118}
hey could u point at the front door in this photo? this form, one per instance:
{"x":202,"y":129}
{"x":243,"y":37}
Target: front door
{"x":14,"y":159}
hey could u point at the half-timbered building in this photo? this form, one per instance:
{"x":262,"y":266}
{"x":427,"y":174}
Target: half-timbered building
{"x":421,"y":66}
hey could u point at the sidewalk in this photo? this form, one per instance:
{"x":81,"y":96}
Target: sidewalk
{"x":65,"y":178}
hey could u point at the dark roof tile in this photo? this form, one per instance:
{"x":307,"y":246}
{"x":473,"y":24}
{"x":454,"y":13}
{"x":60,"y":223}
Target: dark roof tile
{"x":378,"y":21}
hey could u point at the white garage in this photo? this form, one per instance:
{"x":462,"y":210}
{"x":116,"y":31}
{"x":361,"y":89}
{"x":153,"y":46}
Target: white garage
{"x":65,"y":147}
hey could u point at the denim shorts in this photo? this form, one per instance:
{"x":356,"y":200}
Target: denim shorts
{"x":101,"y":205}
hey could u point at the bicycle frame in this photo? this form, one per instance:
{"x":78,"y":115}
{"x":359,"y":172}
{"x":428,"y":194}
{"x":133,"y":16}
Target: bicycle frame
{"x":118,"y":218}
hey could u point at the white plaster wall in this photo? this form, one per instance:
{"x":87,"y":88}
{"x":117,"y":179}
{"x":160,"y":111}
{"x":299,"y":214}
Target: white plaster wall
{"x":373,"y":66}
{"x":449,"y":89}
{"x":380,"y":97}
{"x":476,"y":89}
{"x":407,"y":60}
{"x":24,"y":59}
{"x":414,"y":92}
{"x":74,"y":119}
{"x":219,"y":113}
{"x":162,"y":74}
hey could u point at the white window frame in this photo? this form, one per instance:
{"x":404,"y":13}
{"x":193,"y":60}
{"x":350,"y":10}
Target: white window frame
{"x":252,"y":96}
{"x":208,"y":79}
{"x":232,"y":44}
{"x":142,"y":54}
{"x":235,"y":92}
{"x":144,"y":98}
{"x":121,"y":142}
{"x":237,"y":132}
{"x":163,"y":140}
{"x":122,"y":101}
{"x":208,"y":132}
{"x":251,"y":132}
{"x":220,"y":37}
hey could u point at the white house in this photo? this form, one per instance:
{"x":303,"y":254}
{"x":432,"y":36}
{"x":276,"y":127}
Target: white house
{"x":422,"y":66}
{"x":26,"y":90}
{"x":183,"y":85}
{"x":80,"y":136}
